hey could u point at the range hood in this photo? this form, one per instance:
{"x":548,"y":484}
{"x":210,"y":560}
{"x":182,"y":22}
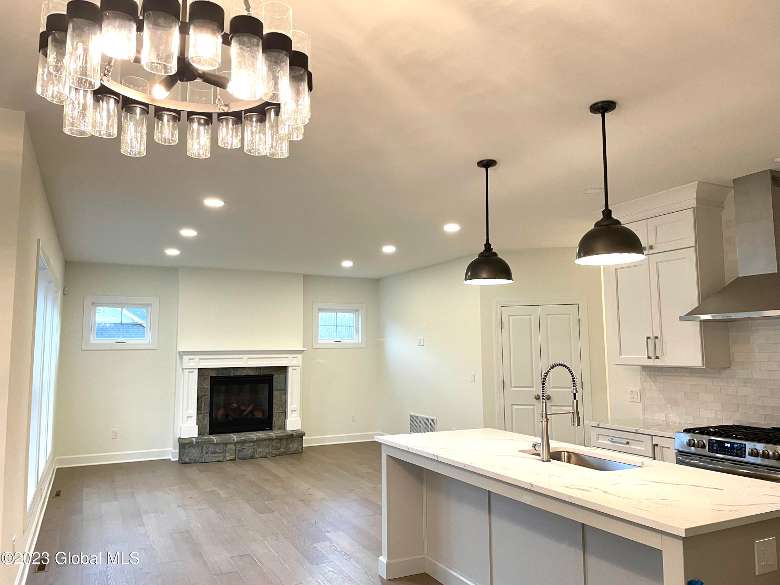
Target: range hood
{"x":756,"y":290}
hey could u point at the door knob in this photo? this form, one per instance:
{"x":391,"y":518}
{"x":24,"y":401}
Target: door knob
{"x":538,"y":397}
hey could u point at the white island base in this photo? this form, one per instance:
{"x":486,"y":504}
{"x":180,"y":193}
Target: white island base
{"x":471,"y":508}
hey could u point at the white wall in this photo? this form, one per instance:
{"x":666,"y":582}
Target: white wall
{"x":442,"y":378}
{"x":547,"y":276}
{"x":233,"y":309}
{"x":342,"y":392}
{"x":25,"y":219}
{"x":131,"y":391}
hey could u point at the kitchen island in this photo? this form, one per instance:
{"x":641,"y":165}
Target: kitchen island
{"x":479,"y":507}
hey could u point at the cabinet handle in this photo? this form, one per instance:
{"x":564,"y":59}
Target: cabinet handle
{"x":647,"y":347}
{"x":616,"y":441}
{"x":656,"y":339}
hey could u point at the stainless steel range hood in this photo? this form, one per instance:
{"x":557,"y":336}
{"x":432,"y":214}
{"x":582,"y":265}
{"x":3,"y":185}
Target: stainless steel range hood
{"x":756,"y":290}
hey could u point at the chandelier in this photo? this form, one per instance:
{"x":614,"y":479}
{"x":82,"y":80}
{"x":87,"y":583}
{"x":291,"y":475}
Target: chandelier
{"x":177,"y":61}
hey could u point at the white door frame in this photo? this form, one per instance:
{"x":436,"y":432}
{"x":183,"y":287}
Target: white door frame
{"x":584,"y":353}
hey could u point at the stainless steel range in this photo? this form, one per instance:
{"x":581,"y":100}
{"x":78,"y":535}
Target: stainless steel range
{"x":738,"y":450}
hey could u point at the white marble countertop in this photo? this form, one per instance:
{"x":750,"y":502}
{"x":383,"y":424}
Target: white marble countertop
{"x":674,"y":499}
{"x":656,"y":429}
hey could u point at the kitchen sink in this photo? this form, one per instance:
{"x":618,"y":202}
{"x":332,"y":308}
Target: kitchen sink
{"x":589,"y":461}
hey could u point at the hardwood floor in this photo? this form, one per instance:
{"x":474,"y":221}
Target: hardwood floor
{"x":309,"y":519}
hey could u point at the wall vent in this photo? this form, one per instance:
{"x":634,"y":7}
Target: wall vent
{"x":419,"y":423}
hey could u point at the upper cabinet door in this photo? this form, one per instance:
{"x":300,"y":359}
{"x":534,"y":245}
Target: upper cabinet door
{"x":672,"y":231}
{"x":674,"y":290}
{"x":629,"y":316}
{"x":640,"y":229}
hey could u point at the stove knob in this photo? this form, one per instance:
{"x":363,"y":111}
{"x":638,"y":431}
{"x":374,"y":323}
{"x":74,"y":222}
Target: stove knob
{"x":765,"y":454}
{"x":776,"y":455}
{"x":701,"y":444}
{"x":754,"y":452}
{"x":691,"y":442}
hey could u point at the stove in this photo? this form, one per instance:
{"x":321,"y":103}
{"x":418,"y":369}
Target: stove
{"x":736,"y":449}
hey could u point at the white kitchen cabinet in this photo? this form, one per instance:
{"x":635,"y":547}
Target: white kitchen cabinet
{"x":663,"y":449}
{"x":636,"y":442}
{"x":643,"y":302}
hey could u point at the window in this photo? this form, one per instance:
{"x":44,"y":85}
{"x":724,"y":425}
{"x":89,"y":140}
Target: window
{"x":120,"y":323}
{"x":338,"y":325}
{"x":46,"y":349}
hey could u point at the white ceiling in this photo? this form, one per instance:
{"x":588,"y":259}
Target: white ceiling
{"x":409,"y":94}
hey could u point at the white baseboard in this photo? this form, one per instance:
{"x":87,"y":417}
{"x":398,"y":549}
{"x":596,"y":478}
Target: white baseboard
{"x":445,"y":575}
{"x":38,"y":510}
{"x":106,"y":458}
{"x":339,"y":439}
{"x":401,"y":567}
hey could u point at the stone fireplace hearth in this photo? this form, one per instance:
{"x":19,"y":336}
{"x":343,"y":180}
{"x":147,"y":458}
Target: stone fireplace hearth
{"x":238,"y":405}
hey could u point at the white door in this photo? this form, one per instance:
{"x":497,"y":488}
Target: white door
{"x":560,"y":339}
{"x":532,"y":337}
{"x":674,"y":291}
{"x":627,"y":296}
{"x":521,"y":370}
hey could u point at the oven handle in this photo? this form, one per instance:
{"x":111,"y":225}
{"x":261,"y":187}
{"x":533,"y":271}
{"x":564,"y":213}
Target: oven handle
{"x":732,"y":468}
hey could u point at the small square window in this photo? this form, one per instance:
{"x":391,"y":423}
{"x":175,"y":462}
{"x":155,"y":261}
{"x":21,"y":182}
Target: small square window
{"x":120,"y":323}
{"x":338,"y":326}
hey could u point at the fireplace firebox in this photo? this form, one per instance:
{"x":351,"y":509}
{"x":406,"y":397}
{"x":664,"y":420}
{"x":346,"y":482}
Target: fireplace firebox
{"x":240,"y":404}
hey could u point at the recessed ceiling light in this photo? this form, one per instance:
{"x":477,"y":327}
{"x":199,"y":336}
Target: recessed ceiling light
{"x":188,"y":233}
{"x":388,"y":249}
{"x":172,"y":252}
{"x":213,"y":202}
{"x":451,"y":228}
{"x":347,"y":263}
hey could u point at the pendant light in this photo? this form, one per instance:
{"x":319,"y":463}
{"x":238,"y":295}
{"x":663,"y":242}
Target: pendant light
{"x":609,"y":242}
{"x":488,"y":268}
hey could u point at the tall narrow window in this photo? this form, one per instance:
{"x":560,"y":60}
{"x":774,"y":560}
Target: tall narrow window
{"x":44,"y":374}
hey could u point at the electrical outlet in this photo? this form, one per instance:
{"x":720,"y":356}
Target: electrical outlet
{"x":635,"y":396}
{"x":766,"y":556}
{"x":114,"y":434}
{"x":420,"y":342}
{"x":354,"y":419}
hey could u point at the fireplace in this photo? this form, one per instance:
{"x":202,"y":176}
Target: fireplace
{"x":240,"y":404}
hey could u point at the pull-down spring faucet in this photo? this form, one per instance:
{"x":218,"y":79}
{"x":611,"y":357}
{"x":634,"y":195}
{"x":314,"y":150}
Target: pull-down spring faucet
{"x":574,"y":412}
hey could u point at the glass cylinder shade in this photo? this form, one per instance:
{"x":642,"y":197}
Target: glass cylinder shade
{"x":82,"y":54}
{"x":247,"y":80}
{"x":166,"y":128}
{"x":56,"y":89}
{"x":77,"y":113}
{"x":277,"y":17}
{"x":229,"y":132}
{"x":296,"y":107}
{"x":41,"y":79}
{"x":160,"y":49}
{"x":118,"y":35}
{"x":254,"y":134}
{"x":105,"y":116}
{"x":204,"y":49}
{"x":199,"y":136}
{"x":295,"y":133}
{"x":276,"y":136}
{"x":134,"y":130}
{"x":277,"y":75}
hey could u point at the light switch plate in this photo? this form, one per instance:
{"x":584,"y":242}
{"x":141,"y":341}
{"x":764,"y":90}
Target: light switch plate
{"x":420,"y":342}
{"x":766,"y":556}
{"x":635,"y":396}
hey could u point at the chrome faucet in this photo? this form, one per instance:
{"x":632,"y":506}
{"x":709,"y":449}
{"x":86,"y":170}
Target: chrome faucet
{"x":544,"y":446}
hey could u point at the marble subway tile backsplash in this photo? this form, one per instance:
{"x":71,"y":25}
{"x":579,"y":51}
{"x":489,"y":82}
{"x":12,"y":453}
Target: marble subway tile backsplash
{"x":746,"y":393}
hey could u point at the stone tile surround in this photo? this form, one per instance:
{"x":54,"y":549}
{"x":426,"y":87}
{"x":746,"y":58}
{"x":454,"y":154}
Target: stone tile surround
{"x":239,"y":446}
{"x":280,"y":392}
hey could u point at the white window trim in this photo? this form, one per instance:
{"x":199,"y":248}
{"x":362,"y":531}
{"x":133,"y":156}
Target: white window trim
{"x":317,"y":344}
{"x":89,"y":343}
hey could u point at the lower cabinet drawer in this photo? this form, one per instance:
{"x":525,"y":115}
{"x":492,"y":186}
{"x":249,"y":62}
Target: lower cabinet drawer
{"x":625,"y":442}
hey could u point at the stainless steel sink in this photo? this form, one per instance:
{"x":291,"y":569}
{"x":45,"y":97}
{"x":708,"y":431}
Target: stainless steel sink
{"x":589,"y":461}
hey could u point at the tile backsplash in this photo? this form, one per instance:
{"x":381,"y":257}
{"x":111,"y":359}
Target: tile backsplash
{"x":746,"y":393}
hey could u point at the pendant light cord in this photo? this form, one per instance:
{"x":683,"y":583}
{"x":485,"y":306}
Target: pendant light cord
{"x":604,"y":157}
{"x":487,"y":208}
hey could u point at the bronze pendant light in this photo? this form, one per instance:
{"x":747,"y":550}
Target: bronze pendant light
{"x":609,"y":242}
{"x":488,"y":268}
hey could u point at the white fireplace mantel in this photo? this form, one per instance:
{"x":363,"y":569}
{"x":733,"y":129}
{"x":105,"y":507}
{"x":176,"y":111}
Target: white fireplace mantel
{"x":190,"y":361}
